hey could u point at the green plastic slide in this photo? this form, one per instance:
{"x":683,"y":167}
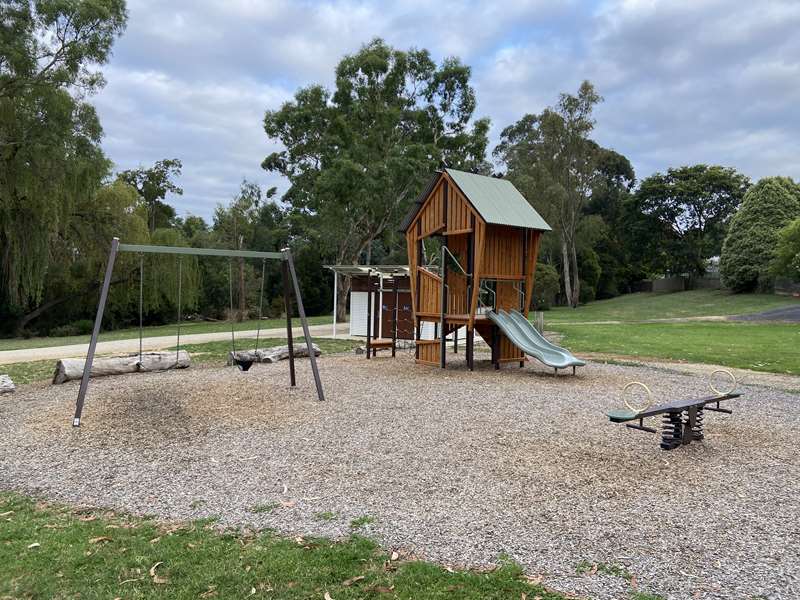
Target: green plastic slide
{"x":524,"y":336}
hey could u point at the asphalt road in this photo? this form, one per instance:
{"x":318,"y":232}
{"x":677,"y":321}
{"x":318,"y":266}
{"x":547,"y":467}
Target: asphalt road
{"x":790,"y":314}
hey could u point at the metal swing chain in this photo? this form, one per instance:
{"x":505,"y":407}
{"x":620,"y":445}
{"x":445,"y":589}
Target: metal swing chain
{"x":180,"y":280}
{"x":260,"y":301}
{"x":230,"y":294}
{"x":141,"y":298}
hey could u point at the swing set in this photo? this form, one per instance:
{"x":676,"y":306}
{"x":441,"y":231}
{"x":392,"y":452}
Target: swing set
{"x":289,"y":276}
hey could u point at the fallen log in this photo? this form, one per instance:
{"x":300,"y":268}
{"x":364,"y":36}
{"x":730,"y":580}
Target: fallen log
{"x":68,"y":369}
{"x":272,"y":355}
{"x":6,"y":385}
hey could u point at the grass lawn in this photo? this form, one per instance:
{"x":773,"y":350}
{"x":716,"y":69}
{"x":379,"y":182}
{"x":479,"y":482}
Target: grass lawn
{"x":207,"y":353}
{"x":187,"y":328}
{"x":49,"y":551}
{"x":644,"y":306}
{"x":773,"y":347}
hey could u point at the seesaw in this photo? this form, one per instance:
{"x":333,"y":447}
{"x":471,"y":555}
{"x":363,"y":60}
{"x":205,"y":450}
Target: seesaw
{"x":683,"y":419}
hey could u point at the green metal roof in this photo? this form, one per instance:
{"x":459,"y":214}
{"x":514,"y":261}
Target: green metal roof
{"x":498,"y":201}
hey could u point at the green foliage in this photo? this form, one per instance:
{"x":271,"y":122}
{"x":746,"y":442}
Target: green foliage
{"x":50,"y":156}
{"x":694,"y":204}
{"x":545,"y":286}
{"x":750,"y":247}
{"x":787,"y":252}
{"x":264,"y":508}
{"x":153,"y":185}
{"x":79,"y":327}
{"x":361,"y":522}
{"x":552,"y":161}
{"x":590,"y":274}
{"x":357,"y":157}
{"x":93,"y":555}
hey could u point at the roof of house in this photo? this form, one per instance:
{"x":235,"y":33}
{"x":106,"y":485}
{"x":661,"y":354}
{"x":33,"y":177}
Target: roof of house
{"x":497,"y":201}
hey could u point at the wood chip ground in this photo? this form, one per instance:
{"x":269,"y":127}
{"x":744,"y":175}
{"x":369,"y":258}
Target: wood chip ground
{"x":454,"y":466}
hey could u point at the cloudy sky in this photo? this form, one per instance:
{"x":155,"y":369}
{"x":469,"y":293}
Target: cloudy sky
{"x":714,"y":81}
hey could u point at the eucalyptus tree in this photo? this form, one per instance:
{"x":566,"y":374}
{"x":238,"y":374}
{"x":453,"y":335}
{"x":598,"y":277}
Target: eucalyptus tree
{"x":153,"y":185}
{"x":356,"y":157}
{"x":552,"y":160}
{"x":50,"y":156}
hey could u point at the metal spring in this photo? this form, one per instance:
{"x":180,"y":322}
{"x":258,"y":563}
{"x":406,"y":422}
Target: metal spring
{"x":671,"y":430}
{"x":697,"y":430}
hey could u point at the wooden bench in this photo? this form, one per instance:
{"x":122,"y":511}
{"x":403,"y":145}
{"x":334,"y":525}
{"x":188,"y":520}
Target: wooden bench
{"x":683,"y":419}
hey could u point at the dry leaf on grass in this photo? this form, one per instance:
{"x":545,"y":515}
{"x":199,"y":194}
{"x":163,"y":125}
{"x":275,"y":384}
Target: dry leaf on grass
{"x":352,"y":580}
{"x":395,"y":555}
{"x":34,"y":545}
{"x":328,"y":596}
{"x":210,"y":592}
{"x":156,"y":579}
{"x":534,"y":579}
{"x":381,"y":589}
{"x":7,"y":514}
{"x":155,"y":540}
{"x":98,"y":540}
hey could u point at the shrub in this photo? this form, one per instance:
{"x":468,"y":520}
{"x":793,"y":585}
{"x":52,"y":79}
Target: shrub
{"x":545,"y":286}
{"x":787,"y":252}
{"x":749,"y":247}
{"x":63,"y":331}
{"x":80,"y":327}
{"x":83,"y":326}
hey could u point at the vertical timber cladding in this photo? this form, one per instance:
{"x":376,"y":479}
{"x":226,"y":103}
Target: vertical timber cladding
{"x":503,"y":253}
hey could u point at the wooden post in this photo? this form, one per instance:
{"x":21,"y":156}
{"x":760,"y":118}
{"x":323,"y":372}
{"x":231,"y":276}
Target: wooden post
{"x":369,"y":310}
{"x":496,"y":346}
{"x":443,"y":309}
{"x":287,"y":305}
{"x":470,"y":285}
{"x":471,"y":349}
{"x":394,"y":315}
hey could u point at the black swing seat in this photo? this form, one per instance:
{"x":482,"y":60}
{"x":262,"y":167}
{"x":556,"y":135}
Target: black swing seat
{"x":244,"y":365}
{"x":683,"y":419}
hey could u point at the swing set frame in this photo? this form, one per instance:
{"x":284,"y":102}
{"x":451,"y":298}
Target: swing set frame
{"x":289,"y":278}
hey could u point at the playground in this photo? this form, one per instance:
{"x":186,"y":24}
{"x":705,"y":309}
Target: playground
{"x":456,"y":467}
{"x":508,"y":447}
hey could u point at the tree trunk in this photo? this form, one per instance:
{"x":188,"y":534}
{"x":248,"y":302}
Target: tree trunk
{"x":565,"y":262}
{"x":341,"y":298}
{"x":6,"y":385}
{"x":68,"y":369}
{"x":272,"y":355}
{"x":576,"y":280}
{"x":37,"y":312}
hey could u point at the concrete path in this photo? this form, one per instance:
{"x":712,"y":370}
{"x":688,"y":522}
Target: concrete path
{"x":160,"y":343}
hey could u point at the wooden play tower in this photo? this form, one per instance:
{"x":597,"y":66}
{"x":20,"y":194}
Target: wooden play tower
{"x":489,"y":241}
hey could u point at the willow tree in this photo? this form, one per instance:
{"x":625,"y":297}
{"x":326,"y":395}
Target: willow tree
{"x":357,"y":157}
{"x":50,"y":157}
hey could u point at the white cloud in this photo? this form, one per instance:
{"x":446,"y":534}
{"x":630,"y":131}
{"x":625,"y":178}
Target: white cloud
{"x":712,"y":81}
